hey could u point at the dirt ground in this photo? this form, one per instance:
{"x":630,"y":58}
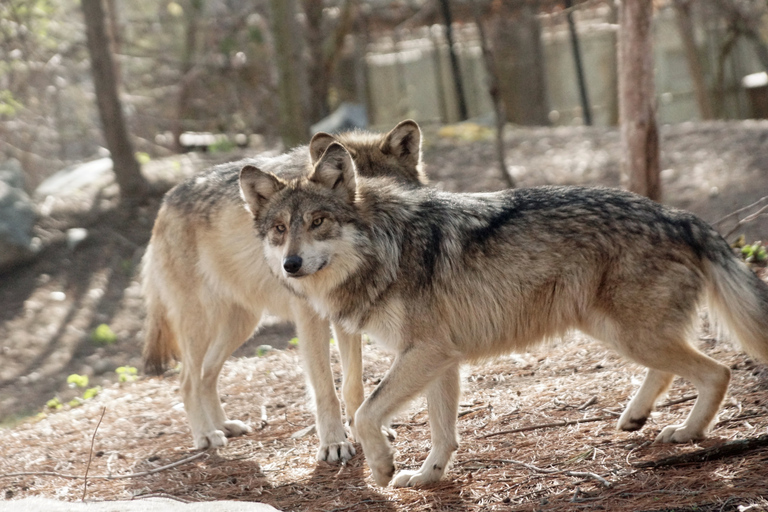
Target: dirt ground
{"x":49,"y":309}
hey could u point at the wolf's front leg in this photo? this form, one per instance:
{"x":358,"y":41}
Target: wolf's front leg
{"x":413,"y":370}
{"x":350,"y":350}
{"x":443,"y":405}
{"x":314,"y":346}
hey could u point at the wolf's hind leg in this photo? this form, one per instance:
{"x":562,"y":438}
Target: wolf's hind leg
{"x":234,"y":328}
{"x":314,"y":346}
{"x":636,"y":414}
{"x":443,"y":405}
{"x":674,"y":355}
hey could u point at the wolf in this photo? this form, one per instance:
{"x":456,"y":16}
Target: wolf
{"x":206,"y":285}
{"x":442,"y":278}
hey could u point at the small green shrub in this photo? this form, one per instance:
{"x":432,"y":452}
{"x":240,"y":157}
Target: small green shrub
{"x":103,"y":335}
{"x":54,"y":403}
{"x":79,"y":381}
{"x":126,"y":373}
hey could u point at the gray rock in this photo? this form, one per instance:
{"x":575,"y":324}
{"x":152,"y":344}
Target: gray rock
{"x":17,"y":218}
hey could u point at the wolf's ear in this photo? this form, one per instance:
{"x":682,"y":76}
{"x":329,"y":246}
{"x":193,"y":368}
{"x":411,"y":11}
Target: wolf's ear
{"x":257,"y":187}
{"x":319,"y":143}
{"x":404,"y":141}
{"x":336,"y":171}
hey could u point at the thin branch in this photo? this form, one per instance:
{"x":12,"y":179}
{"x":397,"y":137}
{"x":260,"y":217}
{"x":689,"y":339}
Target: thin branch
{"x":741,"y":210}
{"x":720,"y":451}
{"x":746,"y":220}
{"x":544,"y":425}
{"x":107,"y":477}
{"x":679,"y":400}
{"x":356,"y":505}
{"x":578,"y":474}
{"x":90,"y":453}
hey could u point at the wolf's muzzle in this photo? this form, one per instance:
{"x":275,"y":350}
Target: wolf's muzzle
{"x":292,"y":264}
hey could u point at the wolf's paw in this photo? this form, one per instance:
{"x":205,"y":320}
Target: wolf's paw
{"x":382,"y":470}
{"x":678,"y":434}
{"x":389,"y":433}
{"x":234,"y":428}
{"x":336,"y":452}
{"x":418,"y":478}
{"x":631,"y":424}
{"x":215,"y":439}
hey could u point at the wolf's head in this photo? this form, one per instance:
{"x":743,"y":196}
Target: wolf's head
{"x":309,"y":222}
{"x":396,"y":155}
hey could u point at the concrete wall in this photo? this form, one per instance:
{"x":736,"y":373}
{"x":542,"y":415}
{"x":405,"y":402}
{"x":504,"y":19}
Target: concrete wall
{"x":412,"y":77}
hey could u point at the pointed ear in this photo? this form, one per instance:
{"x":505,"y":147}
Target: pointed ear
{"x":336,"y":171}
{"x":404,"y":141}
{"x":317,"y":146}
{"x":257,"y":187}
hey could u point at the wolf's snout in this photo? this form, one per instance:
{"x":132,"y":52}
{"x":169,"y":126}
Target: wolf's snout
{"x":292,"y":264}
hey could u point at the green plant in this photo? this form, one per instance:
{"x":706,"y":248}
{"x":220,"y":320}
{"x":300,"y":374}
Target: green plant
{"x":755,"y":253}
{"x":103,"y":335}
{"x":262,"y":350}
{"x":54,"y":403}
{"x":142,"y":157}
{"x":126,"y":373}
{"x":221,"y":145}
{"x":91,"y":392}
{"x":294,"y":342}
{"x":79,"y":381}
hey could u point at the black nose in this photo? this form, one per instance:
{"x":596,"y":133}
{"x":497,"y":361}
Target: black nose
{"x":292,"y":264}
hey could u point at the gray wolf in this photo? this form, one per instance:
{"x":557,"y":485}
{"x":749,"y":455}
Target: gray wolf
{"x":206,"y":285}
{"x":443,"y":278}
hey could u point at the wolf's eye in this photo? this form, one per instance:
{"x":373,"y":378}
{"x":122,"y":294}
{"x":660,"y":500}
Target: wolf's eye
{"x":317,"y":222}
{"x":280,"y":228}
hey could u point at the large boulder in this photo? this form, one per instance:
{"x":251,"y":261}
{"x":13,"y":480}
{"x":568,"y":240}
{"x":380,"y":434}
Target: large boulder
{"x":17,"y":218}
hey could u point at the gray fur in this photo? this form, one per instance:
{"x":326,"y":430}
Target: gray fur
{"x":442,"y":278}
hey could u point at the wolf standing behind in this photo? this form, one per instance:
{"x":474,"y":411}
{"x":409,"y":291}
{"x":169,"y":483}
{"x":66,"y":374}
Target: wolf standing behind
{"x":206,"y":285}
{"x":440,"y":278}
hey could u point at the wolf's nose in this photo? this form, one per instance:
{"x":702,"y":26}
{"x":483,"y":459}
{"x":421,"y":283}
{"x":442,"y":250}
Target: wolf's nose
{"x":292,"y":264}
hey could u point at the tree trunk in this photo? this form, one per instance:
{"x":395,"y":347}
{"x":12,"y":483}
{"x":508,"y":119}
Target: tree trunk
{"x":639,"y":132}
{"x":586,"y":109}
{"x":294,"y":129}
{"x":133,"y":186}
{"x":515,"y":35}
{"x":456,"y":70}
{"x":318,"y":79}
{"x":687,"y":35}
{"x":495,"y":93}
{"x":192,"y":13}
{"x":325,"y":51}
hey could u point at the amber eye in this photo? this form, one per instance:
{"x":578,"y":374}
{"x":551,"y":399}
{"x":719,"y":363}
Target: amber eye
{"x":280,"y":228}
{"x":317,"y":222}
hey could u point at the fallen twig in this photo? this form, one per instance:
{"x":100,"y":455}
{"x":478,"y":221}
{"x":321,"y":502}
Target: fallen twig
{"x":679,"y":400}
{"x":476,"y":409}
{"x":564,"y":423}
{"x":356,"y":505}
{"x":712,"y":453}
{"x":106,"y":477}
{"x":578,"y":474}
{"x":90,"y":453}
{"x":586,"y":404}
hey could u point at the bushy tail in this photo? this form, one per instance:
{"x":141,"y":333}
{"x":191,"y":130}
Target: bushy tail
{"x":160,"y":345}
{"x":740,"y":300}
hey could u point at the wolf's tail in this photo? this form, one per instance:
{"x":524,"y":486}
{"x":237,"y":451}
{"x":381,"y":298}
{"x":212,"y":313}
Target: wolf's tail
{"x":740,"y":300}
{"x":160,"y":345}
